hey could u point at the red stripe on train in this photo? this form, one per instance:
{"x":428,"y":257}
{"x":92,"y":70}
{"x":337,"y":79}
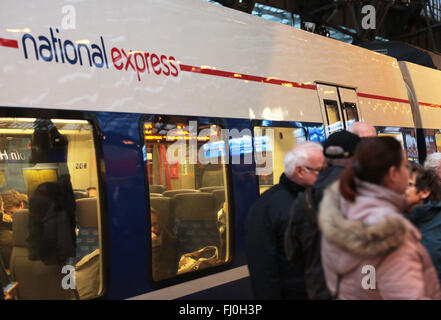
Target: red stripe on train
{"x":9,"y":43}
{"x":372,"y":96}
{"x":245,"y":77}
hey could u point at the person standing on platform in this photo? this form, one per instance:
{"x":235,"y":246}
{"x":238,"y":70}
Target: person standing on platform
{"x":433,"y":162}
{"x":302,"y":236}
{"x":272,"y":276}
{"x":423,"y":195}
{"x":370,"y":251}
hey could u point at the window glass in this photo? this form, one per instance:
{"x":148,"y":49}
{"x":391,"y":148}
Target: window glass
{"x":433,"y":140}
{"x":50,"y":213}
{"x":350,"y":111}
{"x":187,"y":176}
{"x":438,"y":140}
{"x":407,"y":138}
{"x":333,"y":116}
{"x":271,"y":144}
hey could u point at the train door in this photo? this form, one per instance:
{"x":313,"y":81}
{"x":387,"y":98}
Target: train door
{"x":339,"y":107}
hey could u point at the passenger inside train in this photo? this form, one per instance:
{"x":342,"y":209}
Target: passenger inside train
{"x":45,"y":160}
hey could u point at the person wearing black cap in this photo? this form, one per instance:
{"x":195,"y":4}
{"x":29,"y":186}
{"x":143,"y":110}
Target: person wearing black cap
{"x":302,"y":235}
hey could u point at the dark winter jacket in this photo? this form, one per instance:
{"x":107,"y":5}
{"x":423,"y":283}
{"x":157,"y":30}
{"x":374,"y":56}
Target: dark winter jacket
{"x":427,"y":219}
{"x":52,"y":237}
{"x":272,"y":275}
{"x":303,"y":238}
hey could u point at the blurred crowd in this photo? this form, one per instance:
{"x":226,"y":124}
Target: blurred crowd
{"x":351,"y":218}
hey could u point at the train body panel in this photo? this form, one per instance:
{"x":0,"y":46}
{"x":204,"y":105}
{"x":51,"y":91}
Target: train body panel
{"x":424,"y":82}
{"x":184,"y":61}
{"x":210,"y":69}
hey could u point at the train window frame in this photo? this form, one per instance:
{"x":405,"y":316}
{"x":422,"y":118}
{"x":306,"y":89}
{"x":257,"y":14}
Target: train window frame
{"x":65,"y":114}
{"x":306,"y":126}
{"x":404,"y":132}
{"x":184,"y":277}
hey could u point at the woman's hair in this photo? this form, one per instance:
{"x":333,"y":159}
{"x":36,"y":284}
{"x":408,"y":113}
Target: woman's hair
{"x":428,"y":179}
{"x":371,"y":162}
{"x":12,"y":199}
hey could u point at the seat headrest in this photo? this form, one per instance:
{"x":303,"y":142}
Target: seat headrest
{"x":152,"y":194}
{"x":211,"y":189}
{"x":194,"y":206}
{"x":171,"y":193}
{"x":157,"y":188}
{"x":79,"y":194}
{"x":87,"y":213}
{"x":20,"y":222}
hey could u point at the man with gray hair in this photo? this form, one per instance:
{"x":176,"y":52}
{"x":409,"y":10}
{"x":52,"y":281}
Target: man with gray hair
{"x":272,"y":275}
{"x":433,"y":162}
{"x":302,"y":236}
{"x":363,"y":129}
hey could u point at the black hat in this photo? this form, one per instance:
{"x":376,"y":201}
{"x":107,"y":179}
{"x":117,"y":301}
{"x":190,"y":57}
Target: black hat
{"x":340,"y":144}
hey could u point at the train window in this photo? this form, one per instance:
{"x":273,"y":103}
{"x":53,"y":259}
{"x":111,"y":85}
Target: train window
{"x":50,"y":233}
{"x":407,"y":138}
{"x":187,"y":176}
{"x":272,"y":143}
{"x":433,"y":140}
{"x":350,"y":112}
{"x":332,"y":115}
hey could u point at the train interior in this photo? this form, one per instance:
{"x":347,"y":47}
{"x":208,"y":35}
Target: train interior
{"x":22,"y":171}
{"x":188,"y":186}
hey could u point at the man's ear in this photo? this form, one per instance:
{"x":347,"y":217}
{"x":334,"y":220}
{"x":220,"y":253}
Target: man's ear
{"x":298,"y":171}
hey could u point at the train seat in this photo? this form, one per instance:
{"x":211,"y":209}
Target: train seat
{"x":155,"y":188}
{"x":79,"y":194}
{"x":153,"y":194}
{"x":164,"y":208}
{"x":211,"y":189}
{"x":171,"y":193}
{"x":219,"y":199}
{"x":164,"y":255}
{"x":35,"y":279}
{"x":195,"y":221}
{"x":87,"y":221}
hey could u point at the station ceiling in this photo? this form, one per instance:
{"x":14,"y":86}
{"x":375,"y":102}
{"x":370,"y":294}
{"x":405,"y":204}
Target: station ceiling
{"x":415,"y":22}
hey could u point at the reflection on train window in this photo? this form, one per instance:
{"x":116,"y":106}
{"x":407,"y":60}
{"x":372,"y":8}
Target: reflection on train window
{"x":187,"y":178}
{"x":272,"y":143}
{"x":433,"y":140}
{"x":333,"y":116}
{"x":50,"y":222}
{"x":407,"y":138}
{"x":350,"y":111}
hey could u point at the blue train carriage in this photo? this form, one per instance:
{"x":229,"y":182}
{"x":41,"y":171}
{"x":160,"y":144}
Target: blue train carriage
{"x":178,"y":128}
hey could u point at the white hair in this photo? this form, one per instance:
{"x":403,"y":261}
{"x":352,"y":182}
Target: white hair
{"x":433,"y":161}
{"x":299,"y":156}
{"x":362,"y":129}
